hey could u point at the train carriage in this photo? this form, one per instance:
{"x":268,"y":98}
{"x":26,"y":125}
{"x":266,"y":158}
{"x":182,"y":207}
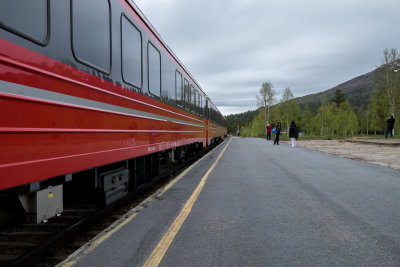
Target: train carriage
{"x":88,"y":86}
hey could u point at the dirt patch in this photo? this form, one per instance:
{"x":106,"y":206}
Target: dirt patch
{"x":381,"y":152}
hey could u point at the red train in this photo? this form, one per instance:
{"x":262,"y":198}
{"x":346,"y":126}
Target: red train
{"x":90,"y":99}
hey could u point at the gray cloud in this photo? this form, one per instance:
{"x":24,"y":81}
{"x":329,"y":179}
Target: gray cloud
{"x":232,"y":47}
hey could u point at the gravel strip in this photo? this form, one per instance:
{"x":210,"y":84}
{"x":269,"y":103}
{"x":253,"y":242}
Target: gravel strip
{"x":375,"y":151}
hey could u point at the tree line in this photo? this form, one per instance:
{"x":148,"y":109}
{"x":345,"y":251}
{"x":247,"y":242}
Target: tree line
{"x":335,"y":116}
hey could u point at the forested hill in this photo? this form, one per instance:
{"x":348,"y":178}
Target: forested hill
{"x":357,"y":91}
{"x":240,"y":119}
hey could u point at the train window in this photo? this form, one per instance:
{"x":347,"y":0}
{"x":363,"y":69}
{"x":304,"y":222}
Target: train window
{"x":154,"y":70}
{"x":193,"y":95}
{"x":187,"y":94}
{"x":192,"y":98}
{"x":199,"y":100}
{"x":131,"y":53}
{"x":194,"y":101}
{"x":196,"y":105}
{"x":26,"y":18}
{"x":91,"y":33}
{"x":178,"y":88}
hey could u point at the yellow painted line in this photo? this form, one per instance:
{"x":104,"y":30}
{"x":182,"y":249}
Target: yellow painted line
{"x":73,"y":260}
{"x":169,"y":185}
{"x":162,"y":247}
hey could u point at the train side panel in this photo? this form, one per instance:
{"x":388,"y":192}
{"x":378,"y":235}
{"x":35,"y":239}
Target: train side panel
{"x":47,"y":133}
{"x":61,"y":116}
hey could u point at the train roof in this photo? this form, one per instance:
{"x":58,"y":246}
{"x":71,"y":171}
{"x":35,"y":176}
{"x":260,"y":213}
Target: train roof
{"x":158,"y":36}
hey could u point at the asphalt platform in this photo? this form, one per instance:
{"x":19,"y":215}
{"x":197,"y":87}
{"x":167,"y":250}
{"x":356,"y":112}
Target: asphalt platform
{"x":250,"y":203}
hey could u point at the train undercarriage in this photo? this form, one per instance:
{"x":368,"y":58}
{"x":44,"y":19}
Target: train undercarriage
{"x":103,"y":185}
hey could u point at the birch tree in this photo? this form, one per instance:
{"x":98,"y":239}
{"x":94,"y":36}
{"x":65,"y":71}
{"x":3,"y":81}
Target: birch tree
{"x":388,"y":81}
{"x":265,"y":99}
{"x":286,"y":103}
{"x":324,"y":116}
{"x":386,"y":98}
{"x":391,"y":69}
{"x":307,"y":119}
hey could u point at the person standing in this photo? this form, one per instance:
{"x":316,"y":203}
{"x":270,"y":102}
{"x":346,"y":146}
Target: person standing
{"x":389,"y":126}
{"x":277,"y":133}
{"x":269,"y":130}
{"x":293,"y":133}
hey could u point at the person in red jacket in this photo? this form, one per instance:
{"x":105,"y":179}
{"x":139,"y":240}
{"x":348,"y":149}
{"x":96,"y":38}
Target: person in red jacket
{"x":269,"y":130}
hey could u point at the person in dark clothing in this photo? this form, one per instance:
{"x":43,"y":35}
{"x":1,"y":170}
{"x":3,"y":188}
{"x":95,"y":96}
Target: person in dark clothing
{"x":293,"y":133}
{"x":389,"y":126}
{"x":277,"y":133}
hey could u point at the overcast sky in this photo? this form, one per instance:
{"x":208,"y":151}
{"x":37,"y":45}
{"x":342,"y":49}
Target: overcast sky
{"x":232,"y":46}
